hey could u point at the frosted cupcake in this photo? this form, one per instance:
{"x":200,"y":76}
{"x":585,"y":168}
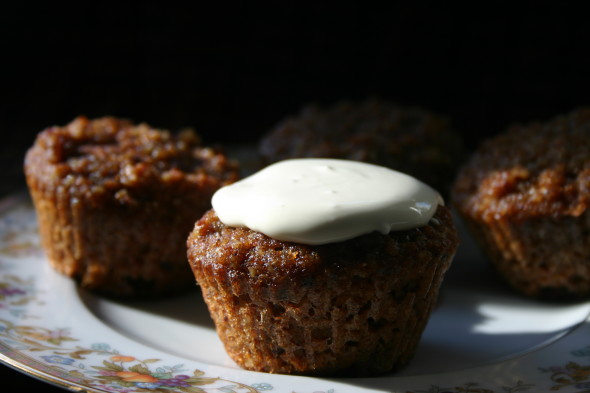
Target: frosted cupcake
{"x":307,"y":268}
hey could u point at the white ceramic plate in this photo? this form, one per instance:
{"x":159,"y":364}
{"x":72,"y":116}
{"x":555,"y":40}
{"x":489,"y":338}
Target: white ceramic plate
{"x":481,"y":338}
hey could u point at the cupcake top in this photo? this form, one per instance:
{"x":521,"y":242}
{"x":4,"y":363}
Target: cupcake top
{"x":319,"y":201}
{"x":540,"y":169}
{"x":111,"y":156}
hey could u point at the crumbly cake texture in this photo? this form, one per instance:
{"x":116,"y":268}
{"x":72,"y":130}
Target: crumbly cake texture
{"x":405,"y":138}
{"x":354,"y":308}
{"x":524,"y":195}
{"x":116,"y":201}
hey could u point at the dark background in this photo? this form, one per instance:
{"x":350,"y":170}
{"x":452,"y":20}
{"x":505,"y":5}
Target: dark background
{"x":232,"y":71}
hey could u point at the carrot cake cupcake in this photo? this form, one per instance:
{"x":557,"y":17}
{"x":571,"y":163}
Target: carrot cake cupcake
{"x":115,"y":202}
{"x":525,"y":196}
{"x":322,"y":266}
{"x":405,"y":138}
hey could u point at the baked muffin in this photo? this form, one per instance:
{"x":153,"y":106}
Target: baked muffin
{"x":524,"y":195}
{"x":353,"y":307}
{"x":116,"y":201}
{"x":405,"y":138}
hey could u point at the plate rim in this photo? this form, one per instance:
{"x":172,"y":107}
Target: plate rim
{"x":33,"y":367}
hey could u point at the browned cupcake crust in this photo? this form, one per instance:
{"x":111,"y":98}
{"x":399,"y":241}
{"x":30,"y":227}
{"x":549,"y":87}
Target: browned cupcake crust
{"x":525,"y":195}
{"x":408,"y":139}
{"x":116,"y":201}
{"x":352,"y":308}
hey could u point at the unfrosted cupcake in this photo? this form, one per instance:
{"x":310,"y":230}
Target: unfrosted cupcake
{"x":525,"y":196}
{"x":115,"y":202}
{"x":409,"y":139}
{"x":322,"y":267}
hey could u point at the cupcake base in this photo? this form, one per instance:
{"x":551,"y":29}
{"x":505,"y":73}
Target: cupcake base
{"x":543,"y":257}
{"x":118,"y":251}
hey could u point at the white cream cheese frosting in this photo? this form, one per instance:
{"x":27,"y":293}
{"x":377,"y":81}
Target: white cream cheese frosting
{"x":318,"y":201}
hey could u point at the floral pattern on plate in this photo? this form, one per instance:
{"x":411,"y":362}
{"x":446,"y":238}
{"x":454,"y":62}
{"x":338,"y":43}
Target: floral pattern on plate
{"x":59,"y":353}
{"x":114,"y":372}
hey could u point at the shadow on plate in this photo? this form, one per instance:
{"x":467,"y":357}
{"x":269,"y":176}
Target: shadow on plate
{"x":478,"y":321}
